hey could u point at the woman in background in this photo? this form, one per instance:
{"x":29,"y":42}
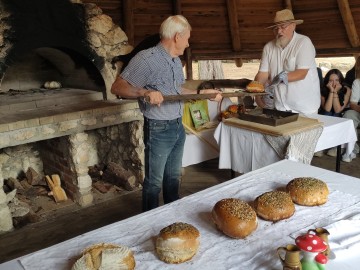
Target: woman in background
{"x":335,"y":96}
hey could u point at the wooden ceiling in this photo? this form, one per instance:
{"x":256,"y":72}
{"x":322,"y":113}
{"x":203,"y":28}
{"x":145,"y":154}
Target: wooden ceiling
{"x":236,"y":29}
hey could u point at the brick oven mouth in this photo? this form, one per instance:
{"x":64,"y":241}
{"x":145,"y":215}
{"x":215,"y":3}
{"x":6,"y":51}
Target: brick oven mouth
{"x":49,"y":77}
{"x":47,"y":41}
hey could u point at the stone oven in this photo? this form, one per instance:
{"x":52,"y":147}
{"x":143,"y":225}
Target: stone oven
{"x":57,"y":114}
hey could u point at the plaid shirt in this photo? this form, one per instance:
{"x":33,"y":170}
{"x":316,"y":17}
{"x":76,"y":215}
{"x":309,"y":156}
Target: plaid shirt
{"x":155,"y":69}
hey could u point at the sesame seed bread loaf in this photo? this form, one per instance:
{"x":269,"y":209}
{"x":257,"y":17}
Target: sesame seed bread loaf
{"x":255,"y":87}
{"x":308,"y":191}
{"x":177,"y":242}
{"x":105,"y":256}
{"x":234,"y":217}
{"x":274,"y":205}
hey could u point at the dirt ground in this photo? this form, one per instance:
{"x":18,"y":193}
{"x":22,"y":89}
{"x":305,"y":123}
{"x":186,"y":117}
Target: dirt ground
{"x":250,"y":68}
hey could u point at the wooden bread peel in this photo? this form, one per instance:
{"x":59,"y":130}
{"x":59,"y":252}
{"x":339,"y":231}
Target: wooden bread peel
{"x":205,"y":96}
{"x":57,"y":191}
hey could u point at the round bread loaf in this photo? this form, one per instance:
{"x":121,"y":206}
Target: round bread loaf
{"x":255,"y":87}
{"x":308,"y":191}
{"x":234,"y":217}
{"x":274,"y":205}
{"x":177,"y":242}
{"x":105,"y":256}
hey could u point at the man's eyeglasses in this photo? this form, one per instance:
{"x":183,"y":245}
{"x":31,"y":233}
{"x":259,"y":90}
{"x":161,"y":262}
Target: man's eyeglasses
{"x":281,"y":27}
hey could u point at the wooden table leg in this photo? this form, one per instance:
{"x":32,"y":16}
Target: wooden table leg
{"x":338,"y":158}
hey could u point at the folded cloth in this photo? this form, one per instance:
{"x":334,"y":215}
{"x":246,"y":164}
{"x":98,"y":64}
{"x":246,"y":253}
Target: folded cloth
{"x":298,"y":146}
{"x":345,"y":233}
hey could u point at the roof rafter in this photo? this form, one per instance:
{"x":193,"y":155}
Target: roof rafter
{"x":348,"y":20}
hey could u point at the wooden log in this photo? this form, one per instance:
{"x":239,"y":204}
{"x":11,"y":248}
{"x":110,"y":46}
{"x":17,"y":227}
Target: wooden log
{"x":96,"y":172}
{"x":57,"y":191}
{"x":14,"y":183}
{"x":33,"y":177}
{"x":116,"y":174}
{"x":102,"y":186}
{"x":35,"y":191}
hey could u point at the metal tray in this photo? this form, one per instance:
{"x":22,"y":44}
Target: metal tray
{"x":269,"y":117}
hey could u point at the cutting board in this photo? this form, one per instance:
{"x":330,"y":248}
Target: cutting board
{"x":302,"y":124}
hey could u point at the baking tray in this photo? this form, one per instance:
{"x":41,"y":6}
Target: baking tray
{"x":269,"y":117}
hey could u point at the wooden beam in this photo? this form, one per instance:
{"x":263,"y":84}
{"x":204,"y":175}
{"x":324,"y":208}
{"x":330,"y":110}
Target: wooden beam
{"x":234,"y":28}
{"x":256,"y":54}
{"x":348,"y":20}
{"x":128,"y":14}
{"x":288,"y":4}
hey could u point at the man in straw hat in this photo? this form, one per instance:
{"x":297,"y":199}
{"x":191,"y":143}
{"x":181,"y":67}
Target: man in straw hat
{"x":288,"y":64}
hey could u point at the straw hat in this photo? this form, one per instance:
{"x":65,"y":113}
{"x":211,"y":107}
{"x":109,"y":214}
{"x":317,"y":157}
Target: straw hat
{"x":284,"y":16}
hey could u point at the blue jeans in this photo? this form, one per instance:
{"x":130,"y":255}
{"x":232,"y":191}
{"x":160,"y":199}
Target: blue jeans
{"x":164,"y":146}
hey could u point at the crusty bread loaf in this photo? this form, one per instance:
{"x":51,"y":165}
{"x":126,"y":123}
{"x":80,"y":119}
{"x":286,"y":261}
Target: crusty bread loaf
{"x":274,"y":205}
{"x":105,"y":256}
{"x":177,"y":242}
{"x":234,"y":217}
{"x":308,"y":191}
{"x":255,"y":87}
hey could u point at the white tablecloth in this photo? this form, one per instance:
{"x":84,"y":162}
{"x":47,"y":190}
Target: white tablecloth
{"x":217,"y":251}
{"x":243,"y":151}
{"x":202,"y":147}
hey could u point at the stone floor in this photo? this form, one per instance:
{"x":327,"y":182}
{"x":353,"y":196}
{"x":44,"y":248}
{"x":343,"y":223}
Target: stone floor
{"x":72,"y":220}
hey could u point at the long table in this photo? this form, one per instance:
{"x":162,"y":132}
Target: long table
{"x":340,"y":215}
{"x":244,"y":150}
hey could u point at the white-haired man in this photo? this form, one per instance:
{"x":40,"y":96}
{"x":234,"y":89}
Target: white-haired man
{"x":288,"y":62}
{"x":154,"y":73}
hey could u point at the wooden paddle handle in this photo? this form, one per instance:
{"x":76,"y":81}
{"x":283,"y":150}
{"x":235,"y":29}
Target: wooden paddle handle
{"x":205,"y":96}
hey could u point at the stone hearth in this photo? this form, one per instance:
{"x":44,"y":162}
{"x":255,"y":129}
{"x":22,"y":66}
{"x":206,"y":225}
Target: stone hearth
{"x":71,"y":123}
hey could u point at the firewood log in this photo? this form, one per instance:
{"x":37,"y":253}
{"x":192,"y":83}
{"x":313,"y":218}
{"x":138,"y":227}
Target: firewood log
{"x":33,"y":177}
{"x":119,"y":176}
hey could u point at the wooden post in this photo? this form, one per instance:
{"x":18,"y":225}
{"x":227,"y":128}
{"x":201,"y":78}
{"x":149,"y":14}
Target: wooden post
{"x":128,"y":14}
{"x":234,"y":29}
{"x":177,"y":6}
{"x":188,"y":63}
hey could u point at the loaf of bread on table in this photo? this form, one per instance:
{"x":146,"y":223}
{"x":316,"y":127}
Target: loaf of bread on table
{"x":255,"y":87}
{"x":105,"y":256}
{"x":177,"y":242}
{"x":308,"y":191}
{"x":274,"y":205}
{"x":234,"y":217}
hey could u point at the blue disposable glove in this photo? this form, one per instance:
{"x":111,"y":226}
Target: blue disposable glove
{"x":281,"y":77}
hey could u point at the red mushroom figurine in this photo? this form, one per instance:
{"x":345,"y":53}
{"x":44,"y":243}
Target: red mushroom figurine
{"x":312,"y":245}
{"x":321,"y":258}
